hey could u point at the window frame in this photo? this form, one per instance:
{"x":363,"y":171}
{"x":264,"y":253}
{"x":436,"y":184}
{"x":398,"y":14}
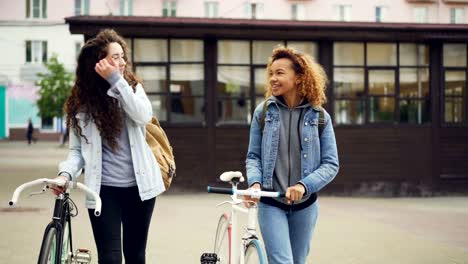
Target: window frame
{"x":169,"y":8}
{"x":251,"y":95}
{"x":166,"y":93}
{"x":419,"y":16}
{"x":126,"y":7}
{"x":367,"y":96}
{"x":83,"y":9}
{"x":211,"y":9}
{"x":343,"y":12}
{"x":42,"y":9}
{"x":31,"y":49}
{"x":464,"y":97}
{"x":453,"y":15}
{"x":381,"y":13}
{"x":298,"y":11}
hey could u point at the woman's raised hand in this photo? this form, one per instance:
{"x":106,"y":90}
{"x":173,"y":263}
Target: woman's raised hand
{"x":105,"y":68}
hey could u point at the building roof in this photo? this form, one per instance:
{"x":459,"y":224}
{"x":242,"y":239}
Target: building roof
{"x":138,"y":26}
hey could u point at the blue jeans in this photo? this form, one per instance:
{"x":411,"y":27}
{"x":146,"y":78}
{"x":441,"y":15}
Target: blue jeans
{"x":287,"y":235}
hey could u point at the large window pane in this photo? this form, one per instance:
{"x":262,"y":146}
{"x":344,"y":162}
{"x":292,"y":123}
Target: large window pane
{"x":158,"y":102}
{"x":381,"y":82}
{"x":414,"y":54}
{"x":414,"y":82}
{"x":454,"y":109}
{"x":383,"y":54}
{"x":262,"y":50}
{"x":233,"y":52}
{"x":233,"y":81}
{"x":310,"y":48}
{"x":187,"y":109}
{"x":154,"y":78}
{"x":186,"y":50}
{"x":234,"y":111}
{"x":260,"y":81}
{"x":348,"y":82}
{"x":348,"y":53}
{"x":455,"y":55}
{"x":455,"y":83}
{"x":415,"y":111}
{"x":187,"y":79}
{"x":382,"y":109}
{"x":349,"y":111}
{"x":150,"y":50}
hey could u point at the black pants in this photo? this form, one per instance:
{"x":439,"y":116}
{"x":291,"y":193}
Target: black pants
{"x":122,"y":207}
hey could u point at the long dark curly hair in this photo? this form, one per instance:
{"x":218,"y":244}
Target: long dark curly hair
{"x":89,"y":93}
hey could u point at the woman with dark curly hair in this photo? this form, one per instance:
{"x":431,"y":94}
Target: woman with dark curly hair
{"x":293,"y":150}
{"x":106,"y":114}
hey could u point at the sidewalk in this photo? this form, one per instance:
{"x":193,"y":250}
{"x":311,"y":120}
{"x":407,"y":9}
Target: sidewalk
{"x":349,"y":230}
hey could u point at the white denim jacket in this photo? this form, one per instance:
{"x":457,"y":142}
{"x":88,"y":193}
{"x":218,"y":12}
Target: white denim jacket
{"x":88,"y":155}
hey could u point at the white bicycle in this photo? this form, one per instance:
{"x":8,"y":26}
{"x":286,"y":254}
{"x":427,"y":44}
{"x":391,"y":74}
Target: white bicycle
{"x":227,"y":247}
{"x":57,"y":245}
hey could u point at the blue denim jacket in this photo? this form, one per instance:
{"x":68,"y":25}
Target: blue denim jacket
{"x":319,"y":155}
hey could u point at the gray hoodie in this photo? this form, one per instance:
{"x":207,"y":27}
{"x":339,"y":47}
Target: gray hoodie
{"x":288,"y":162}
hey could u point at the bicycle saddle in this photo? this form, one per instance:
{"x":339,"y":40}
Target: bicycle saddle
{"x":229,"y":176}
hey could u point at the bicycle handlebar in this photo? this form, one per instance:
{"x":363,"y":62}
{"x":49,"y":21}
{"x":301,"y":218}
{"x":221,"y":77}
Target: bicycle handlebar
{"x":252,"y":192}
{"x":58,"y":182}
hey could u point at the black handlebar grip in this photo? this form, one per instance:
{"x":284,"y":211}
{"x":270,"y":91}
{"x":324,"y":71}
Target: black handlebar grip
{"x":219,"y":190}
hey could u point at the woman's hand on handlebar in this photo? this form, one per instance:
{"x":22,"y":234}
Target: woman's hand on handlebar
{"x":59,"y":189}
{"x":248,"y":200}
{"x":295,"y":193}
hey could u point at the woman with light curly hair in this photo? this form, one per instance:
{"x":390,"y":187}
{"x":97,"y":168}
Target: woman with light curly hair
{"x":293,"y":150}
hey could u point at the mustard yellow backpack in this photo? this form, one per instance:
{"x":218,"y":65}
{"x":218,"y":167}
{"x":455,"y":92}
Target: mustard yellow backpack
{"x":162,"y":150}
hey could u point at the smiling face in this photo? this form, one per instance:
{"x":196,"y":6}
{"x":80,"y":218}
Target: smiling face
{"x":283,"y":79}
{"x":116,"y":56}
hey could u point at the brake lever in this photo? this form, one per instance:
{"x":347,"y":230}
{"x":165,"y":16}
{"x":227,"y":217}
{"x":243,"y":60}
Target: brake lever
{"x":44,"y":189}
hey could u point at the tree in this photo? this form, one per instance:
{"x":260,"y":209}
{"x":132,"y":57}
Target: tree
{"x":55,"y":88}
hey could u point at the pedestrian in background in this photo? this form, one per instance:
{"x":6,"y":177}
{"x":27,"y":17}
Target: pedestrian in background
{"x":106,"y":116}
{"x":288,"y":153}
{"x":30,"y":132}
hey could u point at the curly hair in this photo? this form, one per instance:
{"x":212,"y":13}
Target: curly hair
{"x":89,"y":93}
{"x":312,"y":77}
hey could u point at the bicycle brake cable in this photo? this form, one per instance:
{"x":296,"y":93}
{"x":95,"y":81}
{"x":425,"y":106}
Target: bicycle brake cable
{"x":73,"y":207}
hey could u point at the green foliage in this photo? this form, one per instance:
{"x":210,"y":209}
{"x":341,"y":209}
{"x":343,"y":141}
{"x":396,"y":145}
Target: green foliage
{"x":55,"y":88}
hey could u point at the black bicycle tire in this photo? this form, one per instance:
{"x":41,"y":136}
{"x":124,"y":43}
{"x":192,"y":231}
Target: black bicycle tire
{"x":255,"y":247}
{"x":222,"y":234}
{"x":46,"y":246}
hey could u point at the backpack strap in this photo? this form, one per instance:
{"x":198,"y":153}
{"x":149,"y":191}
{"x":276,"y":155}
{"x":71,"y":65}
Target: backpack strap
{"x":321,"y":122}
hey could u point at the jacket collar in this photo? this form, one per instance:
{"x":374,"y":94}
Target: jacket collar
{"x":272,"y":99}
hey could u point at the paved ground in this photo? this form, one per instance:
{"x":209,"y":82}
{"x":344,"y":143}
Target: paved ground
{"x":349,"y":230}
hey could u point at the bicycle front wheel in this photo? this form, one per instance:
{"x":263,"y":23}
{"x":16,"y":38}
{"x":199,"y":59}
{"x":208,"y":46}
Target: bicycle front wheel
{"x":48,"y":248}
{"x":254,"y":253}
{"x":66,"y":244}
{"x":223,"y":240}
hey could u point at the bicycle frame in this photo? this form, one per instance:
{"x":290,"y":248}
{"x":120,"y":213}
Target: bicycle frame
{"x":237,"y":246}
{"x":60,"y":217}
